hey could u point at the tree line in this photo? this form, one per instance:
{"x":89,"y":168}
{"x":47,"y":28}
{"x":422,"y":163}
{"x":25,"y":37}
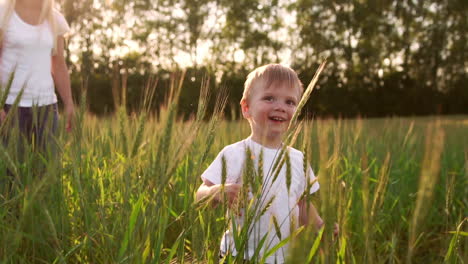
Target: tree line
{"x":385,"y":58}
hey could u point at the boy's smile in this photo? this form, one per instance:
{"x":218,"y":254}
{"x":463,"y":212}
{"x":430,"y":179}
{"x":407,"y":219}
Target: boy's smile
{"x":269,"y":111}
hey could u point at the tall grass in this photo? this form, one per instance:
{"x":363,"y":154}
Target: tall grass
{"x":121,"y":190}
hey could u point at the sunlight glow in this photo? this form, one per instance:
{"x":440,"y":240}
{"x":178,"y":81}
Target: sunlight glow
{"x":183,"y":59}
{"x":239,"y":56}
{"x":414,"y":46}
{"x":380,"y":73}
{"x":386,"y":61}
{"x":74,"y":58}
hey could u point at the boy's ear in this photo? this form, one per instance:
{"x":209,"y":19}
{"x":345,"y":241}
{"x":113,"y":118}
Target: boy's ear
{"x":245,"y":108}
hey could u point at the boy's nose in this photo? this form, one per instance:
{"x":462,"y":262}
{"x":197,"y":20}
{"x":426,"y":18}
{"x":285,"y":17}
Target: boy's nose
{"x":279,"y":107}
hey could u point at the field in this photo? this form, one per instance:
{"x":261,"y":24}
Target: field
{"x":121,"y":190}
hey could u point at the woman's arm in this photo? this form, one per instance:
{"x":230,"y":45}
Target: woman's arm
{"x":62,"y":81}
{"x":2,"y":112}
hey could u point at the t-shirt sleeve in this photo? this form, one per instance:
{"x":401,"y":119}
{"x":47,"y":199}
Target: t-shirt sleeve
{"x":306,"y":182}
{"x":3,"y":13}
{"x":232,"y":164}
{"x":313,"y":183}
{"x":61,"y":22}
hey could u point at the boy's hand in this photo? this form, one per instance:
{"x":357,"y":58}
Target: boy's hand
{"x":2,"y":115}
{"x":336,"y":229}
{"x":319,"y":224}
{"x":228,"y":193}
{"x":231,"y":190}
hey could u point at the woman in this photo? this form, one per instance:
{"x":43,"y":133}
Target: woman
{"x":31,"y":53}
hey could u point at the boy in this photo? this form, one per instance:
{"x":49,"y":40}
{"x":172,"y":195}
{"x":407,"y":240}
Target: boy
{"x":271,"y":94}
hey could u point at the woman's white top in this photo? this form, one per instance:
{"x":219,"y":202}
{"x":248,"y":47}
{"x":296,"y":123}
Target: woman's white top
{"x":27,"y":52}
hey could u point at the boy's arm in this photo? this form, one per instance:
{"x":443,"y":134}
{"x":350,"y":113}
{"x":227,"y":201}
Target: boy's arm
{"x":209,"y":189}
{"x":308,"y":214}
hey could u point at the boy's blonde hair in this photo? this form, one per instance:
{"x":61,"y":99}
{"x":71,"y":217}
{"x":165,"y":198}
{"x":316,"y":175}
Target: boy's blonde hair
{"x":268,"y":74}
{"x":47,"y":13}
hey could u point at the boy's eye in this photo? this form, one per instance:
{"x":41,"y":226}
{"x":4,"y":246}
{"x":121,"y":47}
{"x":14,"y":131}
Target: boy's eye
{"x":268,"y":98}
{"x":290,"y":102}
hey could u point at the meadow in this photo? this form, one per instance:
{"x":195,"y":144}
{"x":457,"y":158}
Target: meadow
{"x":121,"y":189}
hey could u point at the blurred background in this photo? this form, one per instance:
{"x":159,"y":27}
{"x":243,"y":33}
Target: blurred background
{"x":385,"y":58}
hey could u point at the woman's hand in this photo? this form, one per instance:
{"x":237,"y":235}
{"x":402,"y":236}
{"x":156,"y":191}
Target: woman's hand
{"x":69,"y":112}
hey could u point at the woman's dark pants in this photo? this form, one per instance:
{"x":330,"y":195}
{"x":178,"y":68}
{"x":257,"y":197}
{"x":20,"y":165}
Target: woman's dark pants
{"x":30,"y":129}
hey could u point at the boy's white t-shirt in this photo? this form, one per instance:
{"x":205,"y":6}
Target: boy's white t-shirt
{"x":27,"y":51}
{"x":284,"y":207}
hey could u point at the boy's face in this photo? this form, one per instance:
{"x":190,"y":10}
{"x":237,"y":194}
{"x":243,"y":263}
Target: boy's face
{"x":269,"y":111}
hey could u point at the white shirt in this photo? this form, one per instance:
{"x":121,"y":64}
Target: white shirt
{"x":27,"y":51}
{"x":284,"y":207}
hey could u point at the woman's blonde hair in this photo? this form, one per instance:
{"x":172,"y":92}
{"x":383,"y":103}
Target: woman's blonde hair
{"x":47,"y":14}
{"x":267,"y":75}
